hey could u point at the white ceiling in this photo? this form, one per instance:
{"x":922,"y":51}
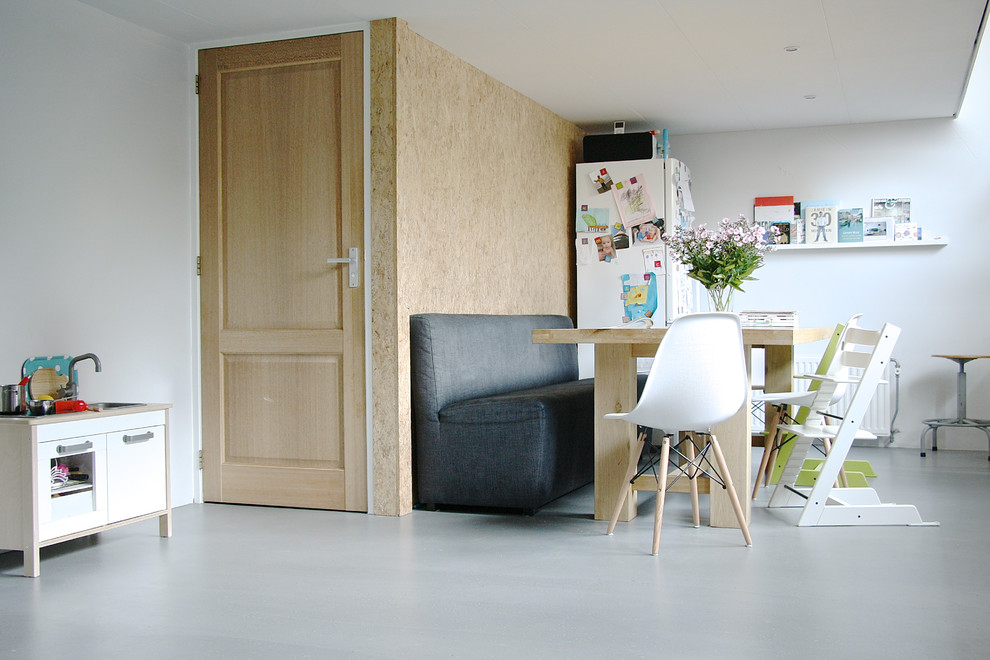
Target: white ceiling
{"x":691,"y":66}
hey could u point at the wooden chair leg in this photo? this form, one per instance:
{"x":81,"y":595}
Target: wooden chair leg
{"x":626,"y":487}
{"x":692,"y":471}
{"x":661,"y":493}
{"x":771,"y":431}
{"x":769,"y":448}
{"x":727,"y":478}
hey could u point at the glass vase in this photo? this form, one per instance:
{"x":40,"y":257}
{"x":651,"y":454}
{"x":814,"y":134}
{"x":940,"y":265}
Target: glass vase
{"x":720,"y":298}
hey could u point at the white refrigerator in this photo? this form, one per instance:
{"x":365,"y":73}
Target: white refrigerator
{"x":624,"y":272}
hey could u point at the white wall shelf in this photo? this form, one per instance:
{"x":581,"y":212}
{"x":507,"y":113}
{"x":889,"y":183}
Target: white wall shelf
{"x":934,"y":242}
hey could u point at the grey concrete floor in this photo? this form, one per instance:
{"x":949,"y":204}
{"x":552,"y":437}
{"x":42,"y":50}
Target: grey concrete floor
{"x":254,"y":582}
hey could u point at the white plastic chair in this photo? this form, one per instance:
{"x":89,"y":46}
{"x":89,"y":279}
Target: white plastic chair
{"x":777,"y":403}
{"x":698,"y":379}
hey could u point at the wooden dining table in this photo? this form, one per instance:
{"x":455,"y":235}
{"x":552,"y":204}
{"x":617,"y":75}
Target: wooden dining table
{"x":616,"y":352}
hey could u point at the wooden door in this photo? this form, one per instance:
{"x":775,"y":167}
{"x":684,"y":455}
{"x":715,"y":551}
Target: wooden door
{"x":281,"y":192}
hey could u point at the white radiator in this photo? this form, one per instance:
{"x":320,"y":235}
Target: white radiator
{"x":878,"y":415}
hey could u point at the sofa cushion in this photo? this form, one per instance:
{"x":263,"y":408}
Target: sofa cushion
{"x":517,"y":450}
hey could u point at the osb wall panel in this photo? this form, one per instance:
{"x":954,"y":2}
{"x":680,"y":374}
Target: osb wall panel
{"x":485,"y":191}
{"x":391,"y":446}
{"x":472,"y":204}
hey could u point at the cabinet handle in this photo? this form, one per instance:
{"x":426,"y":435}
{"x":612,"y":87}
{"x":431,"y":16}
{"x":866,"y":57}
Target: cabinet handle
{"x":143,"y":437}
{"x":74,"y":449}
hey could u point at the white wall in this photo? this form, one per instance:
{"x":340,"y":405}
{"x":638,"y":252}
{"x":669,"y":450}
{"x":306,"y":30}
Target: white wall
{"x":938,"y":296}
{"x":97,"y":233}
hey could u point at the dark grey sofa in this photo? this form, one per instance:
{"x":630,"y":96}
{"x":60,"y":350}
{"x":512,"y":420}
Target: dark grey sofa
{"x":497,"y":420}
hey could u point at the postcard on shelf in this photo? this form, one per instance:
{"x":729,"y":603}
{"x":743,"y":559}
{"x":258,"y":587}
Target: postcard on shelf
{"x":898,"y":208}
{"x":601,"y":180}
{"x":797,"y":226}
{"x":851,"y":225}
{"x":821,"y":222}
{"x":633,"y":199}
{"x":771,"y":210}
{"x":876,"y":230}
{"x":907,"y":231}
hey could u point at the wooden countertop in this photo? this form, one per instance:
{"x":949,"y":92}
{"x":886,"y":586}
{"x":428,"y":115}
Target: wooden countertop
{"x":89,"y":414}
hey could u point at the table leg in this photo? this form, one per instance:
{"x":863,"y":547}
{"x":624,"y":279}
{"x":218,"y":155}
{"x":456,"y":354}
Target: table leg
{"x":735,"y":437}
{"x":615,"y":391}
{"x":778,"y":364}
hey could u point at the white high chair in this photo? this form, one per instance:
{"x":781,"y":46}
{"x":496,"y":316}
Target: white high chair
{"x":778,"y":403}
{"x":824,"y":504}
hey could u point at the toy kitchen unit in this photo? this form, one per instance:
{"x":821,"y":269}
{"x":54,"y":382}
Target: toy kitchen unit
{"x":70,"y":469}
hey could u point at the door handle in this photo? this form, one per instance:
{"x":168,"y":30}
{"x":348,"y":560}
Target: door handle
{"x":353,"y":271}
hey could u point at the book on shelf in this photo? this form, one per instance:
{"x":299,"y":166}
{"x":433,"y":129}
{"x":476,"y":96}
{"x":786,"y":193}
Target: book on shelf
{"x":768,"y":211}
{"x":851,"y":225}
{"x":761,"y":319}
{"x":783,"y":236}
{"x":821,"y":221}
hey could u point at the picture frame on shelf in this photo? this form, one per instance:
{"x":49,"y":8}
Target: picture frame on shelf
{"x":898,"y":208}
{"x":878,"y":230}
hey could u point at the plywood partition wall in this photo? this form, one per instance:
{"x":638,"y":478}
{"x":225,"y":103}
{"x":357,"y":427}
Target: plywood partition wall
{"x":472,"y":208}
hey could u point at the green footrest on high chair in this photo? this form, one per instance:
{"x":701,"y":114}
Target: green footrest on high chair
{"x":850,"y":464}
{"x":809,"y":477}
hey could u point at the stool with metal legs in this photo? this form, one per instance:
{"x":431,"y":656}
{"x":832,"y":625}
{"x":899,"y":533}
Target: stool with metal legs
{"x":960,"y":420}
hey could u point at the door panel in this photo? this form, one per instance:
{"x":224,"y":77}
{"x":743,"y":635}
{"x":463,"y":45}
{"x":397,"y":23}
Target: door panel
{"x":269,"y":393}
{"x":281,"y":186}
{"x":281,"y":191}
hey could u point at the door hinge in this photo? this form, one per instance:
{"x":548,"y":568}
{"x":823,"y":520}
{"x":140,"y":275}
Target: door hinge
{"x":197,"y":83}
{"x":198,"y":266}
{"x":200,"y":459}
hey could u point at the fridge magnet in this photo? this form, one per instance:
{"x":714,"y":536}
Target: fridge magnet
{"x":633,"y":200}
{"x":639,"y":296}
{"x":601,"y":180}
{"x":591,"y":220}
{"x":620,"y":239}
{"x":653,"y":259}
{"x":587,"y":251}
{"x":603,"y":243}
{"x":648,"y":232}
